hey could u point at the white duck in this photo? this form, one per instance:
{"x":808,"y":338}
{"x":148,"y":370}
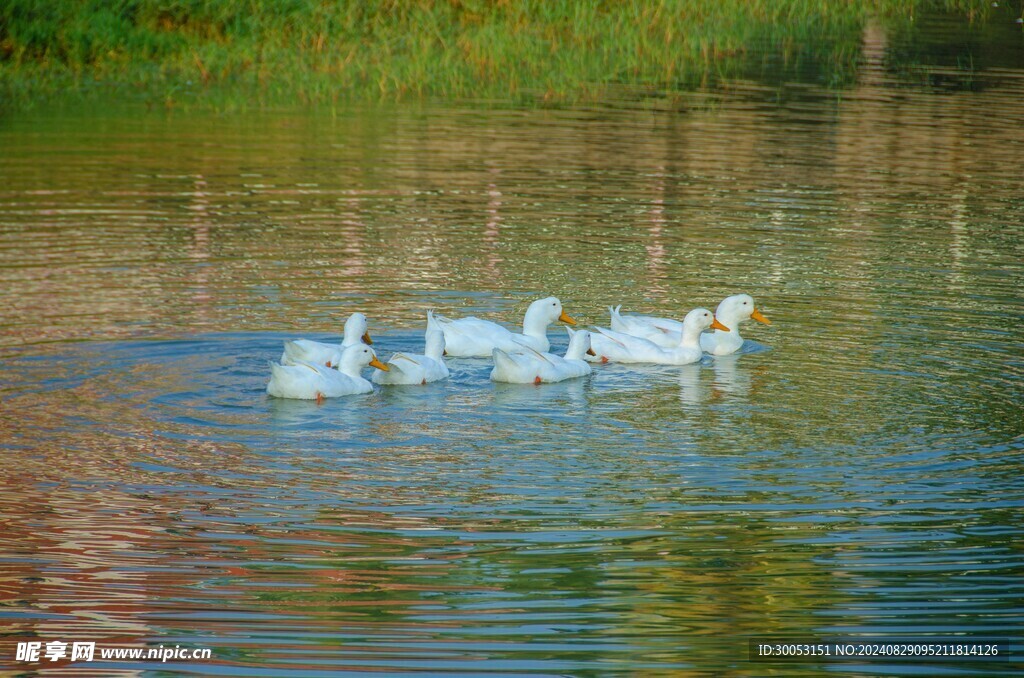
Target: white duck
{"x":475,"y":337}
{"x":319,"y":353}
{"x":527,"y":366}
{"x":626,"y":348}
{"x":307,"y":381}
{"x":734,"y":310}
{"x":412,"y":368}
{"x":666,"y":332}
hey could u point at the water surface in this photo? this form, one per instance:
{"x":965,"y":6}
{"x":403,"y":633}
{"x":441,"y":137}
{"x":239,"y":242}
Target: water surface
{"x":858,"y":473}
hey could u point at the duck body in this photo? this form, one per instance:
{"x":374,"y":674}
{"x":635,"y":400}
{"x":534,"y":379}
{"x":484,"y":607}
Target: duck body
{"x":610,"y":345}
{"x":309,"y":381}
{"x":721,"y":343}
{"x":300,"y":351}
{"x":474,"y":337}
{"x":413,"y":368}
{"x":664,"y":332}
{"x":641,"y":325}
{"x":407,"y":369}
{"x":321,"y":353}
{"x":527,"y":366}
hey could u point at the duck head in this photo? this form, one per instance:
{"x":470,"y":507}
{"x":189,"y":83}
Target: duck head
{"x":357,"y":356}
{"x":738,"y":309}
{"x":542,"y":313}
{"x":695,"y":322}
{"x":356,"y":330}
{"x":579,"y":344}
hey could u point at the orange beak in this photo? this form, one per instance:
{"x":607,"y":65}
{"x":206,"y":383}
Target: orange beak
{"x":566,"y":319}
{"x":366,"y":338}
{"x":756,"y":315}
{"x":379,"y":365}
{"x":590,"y":351}
{"x":715,"y":325}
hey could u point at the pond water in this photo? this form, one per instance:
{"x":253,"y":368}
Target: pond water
{"x":860,"y":475}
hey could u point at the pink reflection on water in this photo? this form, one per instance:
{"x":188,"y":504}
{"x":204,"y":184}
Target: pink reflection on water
{"x":655,"y":246}
{"x":492,"y":227}
{"x":199,"y":249}
{"x":352,"y":238}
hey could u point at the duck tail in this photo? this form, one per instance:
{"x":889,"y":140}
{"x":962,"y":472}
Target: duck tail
{"x":610,"y":335}
{"x":503,"y":360}
{"x":276,"y":371}
{"x":616,"y":319}
{"x":434,"y":320}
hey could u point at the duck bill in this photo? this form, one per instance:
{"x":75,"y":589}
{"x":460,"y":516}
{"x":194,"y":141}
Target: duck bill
{"x":566,"y":319}
{"x":759,"y":317}
{"x":379,"y":365}
{"x":715,"y":325}
{"x":590,"y":351}
{"x":366,"y":338}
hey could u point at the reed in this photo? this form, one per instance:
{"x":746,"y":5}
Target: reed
{"x":319,"y":50}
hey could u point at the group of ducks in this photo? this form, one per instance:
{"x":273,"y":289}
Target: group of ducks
{"x":313,"y":370}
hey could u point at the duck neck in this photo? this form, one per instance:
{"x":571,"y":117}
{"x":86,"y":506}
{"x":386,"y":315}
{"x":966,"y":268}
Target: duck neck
{"x":353,"y":334}
{"x":535,"y":324}
{"x":690,"y":337}
{"x":575,"y":351}
{"x":348,"y":369}
{"x":733,"y":323}
{"x":434,"y":345}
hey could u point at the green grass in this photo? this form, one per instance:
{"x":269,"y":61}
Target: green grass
{"x":326,"y":51}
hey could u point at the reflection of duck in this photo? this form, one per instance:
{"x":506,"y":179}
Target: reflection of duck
{"x":294,"y":419}
{"x":691,"y":391}
{"x":306,"y":381}
{"x":319,"y":353}
{"x":475,"y":337}
{"x":412,"y":403}
{"x":729,"y":378}
{"x":564,"y":397}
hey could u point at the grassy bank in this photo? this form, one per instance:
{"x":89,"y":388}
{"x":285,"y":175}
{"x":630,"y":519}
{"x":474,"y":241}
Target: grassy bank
{"x":311,"y":50}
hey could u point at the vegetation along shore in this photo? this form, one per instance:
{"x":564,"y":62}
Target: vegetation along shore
{"x":308,"y":50}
